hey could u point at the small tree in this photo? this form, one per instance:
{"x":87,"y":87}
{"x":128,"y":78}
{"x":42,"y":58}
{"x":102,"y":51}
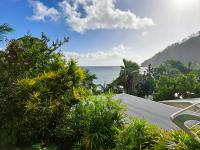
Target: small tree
{"x":181,"y":86}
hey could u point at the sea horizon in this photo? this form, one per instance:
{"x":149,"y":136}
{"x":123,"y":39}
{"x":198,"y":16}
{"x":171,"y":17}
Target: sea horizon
{"x":106,"y":74}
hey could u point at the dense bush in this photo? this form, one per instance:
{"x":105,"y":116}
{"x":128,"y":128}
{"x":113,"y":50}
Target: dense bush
{"x":37,"y":86}
{"x":180,"y":86}
{"x":181,"y":140}
{"x":93,"y":123}
{"x":140,"y":135}
{"x":41,"y":102}
{"x":175,"y":140}
{"x":137,"y":135}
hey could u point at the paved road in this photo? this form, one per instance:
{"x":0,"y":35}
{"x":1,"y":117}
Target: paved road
{"x":154,"y":112}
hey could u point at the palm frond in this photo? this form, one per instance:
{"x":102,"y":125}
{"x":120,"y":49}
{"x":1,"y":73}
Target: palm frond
{"x":4,"y":29}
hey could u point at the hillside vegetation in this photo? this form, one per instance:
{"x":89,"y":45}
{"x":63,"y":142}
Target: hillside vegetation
{"x":186,"y":51}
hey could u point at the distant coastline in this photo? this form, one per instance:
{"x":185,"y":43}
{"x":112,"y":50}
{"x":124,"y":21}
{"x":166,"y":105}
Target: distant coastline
{"x":105,"y":74}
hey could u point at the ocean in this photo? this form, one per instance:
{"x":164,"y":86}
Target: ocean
{"x":105,"y":74}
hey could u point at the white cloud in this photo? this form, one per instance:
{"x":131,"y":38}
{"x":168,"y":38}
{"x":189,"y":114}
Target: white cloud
{"x":42,"y":12}
{"x":102,"y":58}
{"x":145,"y":33}
{"x":100,"y":14}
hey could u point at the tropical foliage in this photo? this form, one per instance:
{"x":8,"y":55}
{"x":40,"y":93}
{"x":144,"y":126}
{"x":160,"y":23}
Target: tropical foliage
{"x":93,"y":123}
{"x":37,"y":86}
{"x":128,"y":78}
{"x":180,"y":86}
{"x":175,"y":80}
{"x":171,"y":80}
{"x":4,"y":29}
{"x":138,"y":135}
{"x":49,"y":103}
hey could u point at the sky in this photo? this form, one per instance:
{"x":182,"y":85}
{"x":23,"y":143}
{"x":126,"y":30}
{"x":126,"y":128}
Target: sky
{"x":103,"y":32}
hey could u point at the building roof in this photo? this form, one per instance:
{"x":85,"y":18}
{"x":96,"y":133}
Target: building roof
{"x":154,"y":112}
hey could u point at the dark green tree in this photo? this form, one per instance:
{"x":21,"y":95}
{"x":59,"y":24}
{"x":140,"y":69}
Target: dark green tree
{"x":180,"y":86}
{"x":146,"y":83}
{"x":127,"y":80}
{"x":128,"y":76}
{"x":145,"y":86}
{"x":171,"y":68}
{"x":4,"y":29}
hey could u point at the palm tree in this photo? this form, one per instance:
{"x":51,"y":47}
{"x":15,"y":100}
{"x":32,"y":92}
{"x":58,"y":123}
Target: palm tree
{"x":4,"y":29}
{"x":128,"y":75}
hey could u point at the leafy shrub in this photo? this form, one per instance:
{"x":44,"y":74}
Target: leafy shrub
{"x":138,"y":135}
{"x":7,"y":141}
{"x":163,"y":140}
{"x":181,"y":140}
{"x":41,"y":101}
{"x":37,"y":86}
{"x":141,"y":135}
{"x":177,"y":140}
{"x":93,"y":123}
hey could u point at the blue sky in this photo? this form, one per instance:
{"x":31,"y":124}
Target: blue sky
{"x":103,"y":32}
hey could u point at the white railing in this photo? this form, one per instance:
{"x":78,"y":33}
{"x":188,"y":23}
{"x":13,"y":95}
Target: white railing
{"x":187,"y":119}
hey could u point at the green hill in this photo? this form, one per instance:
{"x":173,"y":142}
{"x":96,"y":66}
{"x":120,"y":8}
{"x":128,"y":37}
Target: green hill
{"x":188,"y":50}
